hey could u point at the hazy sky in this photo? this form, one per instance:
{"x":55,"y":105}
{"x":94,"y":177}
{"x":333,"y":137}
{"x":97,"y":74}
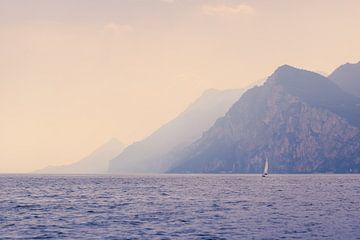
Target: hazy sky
{"x":75,"y":73}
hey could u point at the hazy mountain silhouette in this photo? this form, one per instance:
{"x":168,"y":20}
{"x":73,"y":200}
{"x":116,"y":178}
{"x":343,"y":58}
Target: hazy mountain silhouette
{"x":347,"y":76}
{"x":154,"y":153}
{"x":96,"y":163}
{"x":300,"y":120}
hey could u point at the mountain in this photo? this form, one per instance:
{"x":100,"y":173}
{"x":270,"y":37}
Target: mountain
{"x":96,"y":163}
{"x":154,"y":153}
{"x":347,"y":76}
{"x":300,"y":120}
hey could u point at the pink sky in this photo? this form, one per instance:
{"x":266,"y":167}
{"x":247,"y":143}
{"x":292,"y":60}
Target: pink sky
{"x":74,"y":74}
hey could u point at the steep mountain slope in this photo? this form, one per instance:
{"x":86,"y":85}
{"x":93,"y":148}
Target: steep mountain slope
{"x":347,"y":76}
{"x":154,"y":153}
{"x":96,"y":163}
{"x":300,"y":120}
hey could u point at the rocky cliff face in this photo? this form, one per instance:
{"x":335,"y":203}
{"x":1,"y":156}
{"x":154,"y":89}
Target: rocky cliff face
{"x":299,"y":120}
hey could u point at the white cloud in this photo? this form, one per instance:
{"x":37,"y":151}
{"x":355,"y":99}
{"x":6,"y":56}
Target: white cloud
{"x":117,"y":28}
{"x":225,"y":10}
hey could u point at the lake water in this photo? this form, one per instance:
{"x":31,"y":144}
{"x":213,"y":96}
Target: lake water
{"x":180,"y":207}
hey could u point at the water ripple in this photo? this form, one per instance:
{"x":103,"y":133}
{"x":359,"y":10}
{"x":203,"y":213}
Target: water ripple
{"x":180,"y":207}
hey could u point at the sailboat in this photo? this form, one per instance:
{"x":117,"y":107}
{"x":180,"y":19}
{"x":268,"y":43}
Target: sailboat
{"x":266,"y":168}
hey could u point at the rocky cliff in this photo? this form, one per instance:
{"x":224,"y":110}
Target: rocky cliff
{"x":299,"y":120}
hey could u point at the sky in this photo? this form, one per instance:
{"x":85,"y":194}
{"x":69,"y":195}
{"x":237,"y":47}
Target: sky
{"x":74,"y":74}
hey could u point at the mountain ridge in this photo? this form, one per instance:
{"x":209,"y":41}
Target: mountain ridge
{"x":154,"y":153}
{"x":282,"y":120}
{"x":347,"y":76}
{"x":95,"y":163}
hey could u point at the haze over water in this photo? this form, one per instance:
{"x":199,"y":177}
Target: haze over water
{"x":180,"y":207}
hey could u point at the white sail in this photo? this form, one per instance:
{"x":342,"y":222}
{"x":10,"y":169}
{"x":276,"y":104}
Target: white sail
{"x":266,"y":167}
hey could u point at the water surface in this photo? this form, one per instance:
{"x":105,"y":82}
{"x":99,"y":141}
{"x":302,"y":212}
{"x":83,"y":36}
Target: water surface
{"x":180,"y":207}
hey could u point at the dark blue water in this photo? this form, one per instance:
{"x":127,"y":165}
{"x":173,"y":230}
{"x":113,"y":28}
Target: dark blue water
{"x":180,"y":207}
